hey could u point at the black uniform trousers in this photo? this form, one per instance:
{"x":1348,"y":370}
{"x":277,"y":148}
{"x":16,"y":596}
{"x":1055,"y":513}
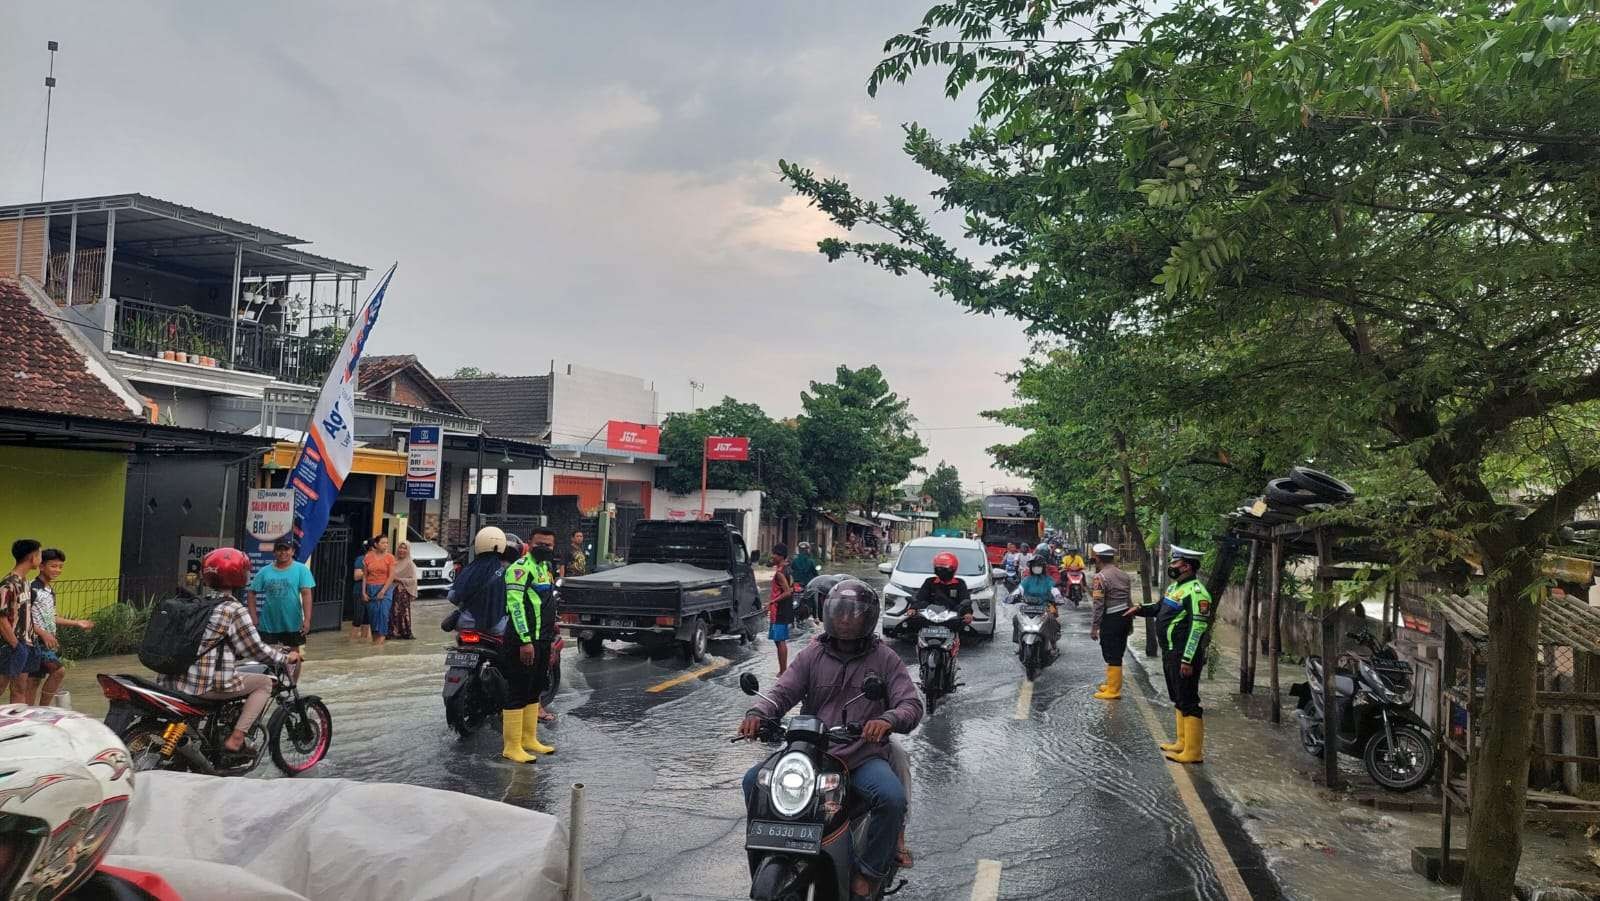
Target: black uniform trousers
{"x":1184,"y":691}
{"x":1114,"y":631}
{"x":524,"y":684}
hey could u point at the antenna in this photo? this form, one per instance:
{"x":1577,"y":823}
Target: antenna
{"x":49,"y":90}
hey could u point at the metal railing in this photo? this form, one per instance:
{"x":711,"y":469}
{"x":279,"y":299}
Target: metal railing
{"x":154,"y":330}
{"x":79,"y":598}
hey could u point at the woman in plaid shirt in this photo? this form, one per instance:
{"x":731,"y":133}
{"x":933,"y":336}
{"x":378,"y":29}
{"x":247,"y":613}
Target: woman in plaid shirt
{"x":230,"y":636}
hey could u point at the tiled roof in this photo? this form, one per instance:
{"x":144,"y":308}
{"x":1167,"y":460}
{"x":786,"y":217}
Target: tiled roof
{"x":42,"y":370}
{"x":511,"y":407}
{"x":377,"y":370}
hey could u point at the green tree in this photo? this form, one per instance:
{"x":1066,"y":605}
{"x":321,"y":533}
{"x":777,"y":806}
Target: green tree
{"x":1373,"y":223}
{"x":774,"y":466}
{"x":944,"y":487}
{"x":856,"y":439}
{"x":473,"y":372}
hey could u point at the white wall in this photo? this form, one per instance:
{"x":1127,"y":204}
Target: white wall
{"x":525,"y":482}
{"x":583,"y":400}
{"x":687,"y":506}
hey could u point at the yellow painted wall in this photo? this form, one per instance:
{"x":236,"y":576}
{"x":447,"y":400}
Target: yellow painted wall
{"x":67,"y":499}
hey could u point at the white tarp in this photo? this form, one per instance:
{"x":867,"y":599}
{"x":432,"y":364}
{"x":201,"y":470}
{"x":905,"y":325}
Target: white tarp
{"x":292,"y":839}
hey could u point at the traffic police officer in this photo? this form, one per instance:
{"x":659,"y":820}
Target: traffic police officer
{"x":1183,"y":619}
{"x":1112,"y":592}
{"x":525,"y":660}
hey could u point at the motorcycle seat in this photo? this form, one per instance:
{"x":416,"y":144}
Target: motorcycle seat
{"x":185,"y":697}
{"x":1344,"y":685}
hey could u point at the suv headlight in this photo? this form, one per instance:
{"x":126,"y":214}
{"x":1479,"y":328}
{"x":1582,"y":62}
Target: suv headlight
{"x":794,"y":781}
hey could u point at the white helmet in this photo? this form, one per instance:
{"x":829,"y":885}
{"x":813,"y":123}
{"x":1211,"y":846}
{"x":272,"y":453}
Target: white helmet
{"x":65,"y":784}
{"x":1104,"y":550}
{"x":490,"y":540}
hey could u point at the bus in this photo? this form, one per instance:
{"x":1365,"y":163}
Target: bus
{"x":1009,"y":516}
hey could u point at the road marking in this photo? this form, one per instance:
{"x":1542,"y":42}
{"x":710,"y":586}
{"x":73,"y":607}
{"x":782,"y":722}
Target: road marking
{"x":1024,"y":701}
{"x":1233,"y":887}
{"x":689,"y":676}
{"x":986,"y":887}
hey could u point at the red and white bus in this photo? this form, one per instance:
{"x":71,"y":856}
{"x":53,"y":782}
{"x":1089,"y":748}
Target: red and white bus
{"x":1009,"y":516}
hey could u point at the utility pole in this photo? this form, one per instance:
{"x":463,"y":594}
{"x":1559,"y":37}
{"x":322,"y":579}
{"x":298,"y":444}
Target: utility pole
{"x":49,"y":92}
{"x":694,"y":387}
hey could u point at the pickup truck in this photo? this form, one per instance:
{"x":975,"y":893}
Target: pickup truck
{"x":683,"y":582}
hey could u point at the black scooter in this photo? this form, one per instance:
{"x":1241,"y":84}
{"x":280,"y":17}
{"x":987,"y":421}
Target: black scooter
{"x":474,"y":688}
{"x":1376,"y":723}
{"x":938,"y":628}
{"x":801,"y":831}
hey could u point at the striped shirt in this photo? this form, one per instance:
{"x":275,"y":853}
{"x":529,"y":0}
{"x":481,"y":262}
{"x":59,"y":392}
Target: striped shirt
{"x":230,"y":636}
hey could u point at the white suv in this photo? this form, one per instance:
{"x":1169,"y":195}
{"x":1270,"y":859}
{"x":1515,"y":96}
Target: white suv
{"x":915,"y":565}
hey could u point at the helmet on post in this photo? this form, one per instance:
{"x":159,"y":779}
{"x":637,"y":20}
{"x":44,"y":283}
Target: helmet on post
{"x":226,"y":568}
{"x":64,"y":791}
{"x":490,"y":540}
{"x":944,"y":565}
{"x":851,"y":610}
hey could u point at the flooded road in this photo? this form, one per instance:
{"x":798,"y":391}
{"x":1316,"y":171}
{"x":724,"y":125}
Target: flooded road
{"x":1068,"y":794}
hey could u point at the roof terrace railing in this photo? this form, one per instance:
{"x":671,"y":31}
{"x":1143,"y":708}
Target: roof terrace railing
{"x":185,"y":335}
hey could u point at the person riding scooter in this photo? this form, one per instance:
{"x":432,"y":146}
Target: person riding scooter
{"x":946,"y":589}
{"x":1038,"y":590}
{"x":823,"y":678}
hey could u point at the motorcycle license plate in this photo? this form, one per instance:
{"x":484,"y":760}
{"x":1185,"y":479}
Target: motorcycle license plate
{"x":460,"y":658}
{"x":768,"y":835}
{"x":939,"y":632}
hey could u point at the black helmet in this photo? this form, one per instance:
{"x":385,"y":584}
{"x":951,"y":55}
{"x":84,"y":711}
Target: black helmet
{"x":851,"y":611}
{"x":1039,"y":561}
{"x":514,"y":549}
{"x":816,"y":590}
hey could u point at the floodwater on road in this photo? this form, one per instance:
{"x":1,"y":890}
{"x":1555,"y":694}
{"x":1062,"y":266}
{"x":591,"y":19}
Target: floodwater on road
{"x":1068,"y":795}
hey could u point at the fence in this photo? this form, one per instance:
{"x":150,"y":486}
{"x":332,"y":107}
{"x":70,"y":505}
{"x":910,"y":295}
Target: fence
{"x":79,"y":598}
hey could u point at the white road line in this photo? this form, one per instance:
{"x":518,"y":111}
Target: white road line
{"x":1233,"y":887}
{"x":986,"y":887}
{"x":1024,"y":701}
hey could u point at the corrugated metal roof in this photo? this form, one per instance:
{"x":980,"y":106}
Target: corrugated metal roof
{"x":1562,"y":620}
{"x":510,"y":407}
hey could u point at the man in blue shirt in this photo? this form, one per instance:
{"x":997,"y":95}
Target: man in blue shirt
{"x":280,"y":598}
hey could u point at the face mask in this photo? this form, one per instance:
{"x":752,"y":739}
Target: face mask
{"x":1038,"y":570}
{"x":944,"y":572}
{"x":1176,"y":572}
{"x":543,"y":554}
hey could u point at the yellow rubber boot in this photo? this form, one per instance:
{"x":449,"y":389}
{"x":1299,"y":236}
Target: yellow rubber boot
{"x":530,"y":732}
{"x":1194,"y":742}
{"x":511,"y":737}
{"x":1113,"y":687}
{"x":1176,"y":745}
{"x":1104,"y":685}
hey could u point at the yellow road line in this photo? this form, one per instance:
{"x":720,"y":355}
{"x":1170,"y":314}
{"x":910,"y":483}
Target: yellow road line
{"x":689,"y":676}
{"x":1024,"y":701}
{"x":986,"y":887}
{"x":1233,"y":887}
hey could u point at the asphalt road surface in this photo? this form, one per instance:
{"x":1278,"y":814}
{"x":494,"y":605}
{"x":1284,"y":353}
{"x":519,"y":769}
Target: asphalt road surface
{"x":1018,"y":793}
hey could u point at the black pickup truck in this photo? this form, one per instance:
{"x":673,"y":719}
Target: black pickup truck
{"x":683,"y":582}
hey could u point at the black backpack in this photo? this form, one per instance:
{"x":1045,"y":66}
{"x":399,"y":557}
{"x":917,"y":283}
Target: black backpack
{"x":176,"y":635}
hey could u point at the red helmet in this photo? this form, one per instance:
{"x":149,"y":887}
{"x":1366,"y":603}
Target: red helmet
{"x":226,"y":568}
{"x":945,"y":560}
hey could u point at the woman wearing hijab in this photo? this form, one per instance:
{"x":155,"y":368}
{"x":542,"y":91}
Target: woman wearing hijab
{"x":405,"y":591}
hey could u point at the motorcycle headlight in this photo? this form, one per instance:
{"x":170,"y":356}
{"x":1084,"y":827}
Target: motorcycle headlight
{"x":794,"y":781}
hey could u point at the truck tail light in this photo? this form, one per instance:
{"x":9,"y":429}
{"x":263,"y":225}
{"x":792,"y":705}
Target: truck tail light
{"x":569,"y":617}
{"x":666,"y":620}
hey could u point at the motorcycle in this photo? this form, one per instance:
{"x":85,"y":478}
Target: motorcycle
{"x":1376,"y":723}
{"x":1074,"y":586}
{"x":1033,"y":650}
{"x":166,"y":729}
{"x":801,"y":831}
{"x":1013,"y":576}
{"x":474,"y":688}
{"x":938,"y":632}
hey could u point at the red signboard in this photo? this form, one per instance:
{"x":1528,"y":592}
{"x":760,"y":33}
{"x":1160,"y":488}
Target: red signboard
{"x":633,"y":436}
{"x":727,"y":448}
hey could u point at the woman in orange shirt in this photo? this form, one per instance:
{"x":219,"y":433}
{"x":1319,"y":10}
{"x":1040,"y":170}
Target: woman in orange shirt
{"x":377,"y":585}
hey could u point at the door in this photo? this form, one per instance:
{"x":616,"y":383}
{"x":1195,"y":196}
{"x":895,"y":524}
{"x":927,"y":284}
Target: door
{"x":746,"y":597}
{"x":628,"y":516}
{"x":330,"y":566}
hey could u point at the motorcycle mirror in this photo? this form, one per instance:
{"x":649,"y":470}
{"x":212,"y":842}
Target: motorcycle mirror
{"x":886,"y":568}
{"x":872,"y":687}
{"x":749,"y":684}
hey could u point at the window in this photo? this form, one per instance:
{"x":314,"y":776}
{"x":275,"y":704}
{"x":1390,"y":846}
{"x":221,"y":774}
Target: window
{"x":1011,"y":506}
{"x":739,"y":554}
{"x":919,"y":559}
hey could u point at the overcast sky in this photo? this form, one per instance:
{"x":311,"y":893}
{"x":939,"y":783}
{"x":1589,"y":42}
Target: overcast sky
{"x":589,"y":182}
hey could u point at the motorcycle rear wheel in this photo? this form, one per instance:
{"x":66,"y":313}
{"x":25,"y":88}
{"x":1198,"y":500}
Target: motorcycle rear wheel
{"x":144,"y":747}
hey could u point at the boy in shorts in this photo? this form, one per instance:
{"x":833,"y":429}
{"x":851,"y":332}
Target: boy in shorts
{"x":279,"y":598}
{"x":48,"y":671}
{"x":780,"y":610}
{"x":16,"y":621}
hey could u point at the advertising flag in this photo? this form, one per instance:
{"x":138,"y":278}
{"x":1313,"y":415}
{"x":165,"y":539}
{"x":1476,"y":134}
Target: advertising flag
{"x":330,"y":443}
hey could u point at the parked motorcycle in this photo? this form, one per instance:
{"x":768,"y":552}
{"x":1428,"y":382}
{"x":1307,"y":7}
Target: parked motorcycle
{"x":1073,"y":579}
{"x":166,"y":729}
{"x":474,"y":688}
{"x":938,"y":630}
{"x":1376,"y":722}
{"x":796,"y":833}
{"x":1027,"y":631}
